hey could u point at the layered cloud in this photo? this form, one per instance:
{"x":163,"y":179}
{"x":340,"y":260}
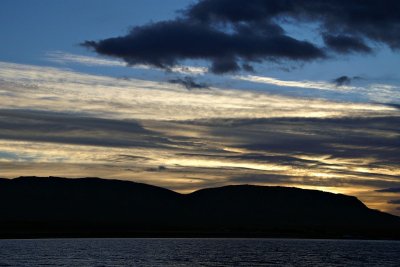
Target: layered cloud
{"x":61,"y":90}
{"x":233,"y":34}
{"x":59,"y":122}
{"x":345,"y":155}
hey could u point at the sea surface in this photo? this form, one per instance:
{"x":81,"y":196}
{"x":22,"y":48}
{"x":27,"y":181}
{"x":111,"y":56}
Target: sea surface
{"x":198,"y":252}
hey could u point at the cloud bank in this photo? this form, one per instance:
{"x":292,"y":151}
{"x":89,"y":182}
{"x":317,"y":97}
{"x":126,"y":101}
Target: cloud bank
{"x":234,"y":34}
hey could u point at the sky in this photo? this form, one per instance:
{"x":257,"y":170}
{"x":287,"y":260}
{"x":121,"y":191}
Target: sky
{"x":193,"y":94}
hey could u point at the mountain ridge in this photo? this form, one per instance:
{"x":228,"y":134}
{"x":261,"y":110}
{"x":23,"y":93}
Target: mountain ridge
{"x":94,"y":207}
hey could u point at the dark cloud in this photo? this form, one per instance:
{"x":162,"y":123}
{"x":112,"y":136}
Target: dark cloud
{"x":124,"y":158}
{"x":160,"y":168}
{"x":346,"y":44}
{"x":342,"y":80}
{"x":345,"y":80}
{"x":376,"y":20}
{"x":54,"y":127}
{"x":164,"y":44}
{"x":232,"y":34}
{"x":394,"y":201}
{"x":188,"y":83}
{"x":389,"y":190}
{"x":247,"y":67}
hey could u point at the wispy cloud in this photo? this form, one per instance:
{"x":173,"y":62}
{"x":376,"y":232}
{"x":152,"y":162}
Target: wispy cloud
{"x":299,"y":84}
{"x":67,"y":58}
{"x":375,"y":92}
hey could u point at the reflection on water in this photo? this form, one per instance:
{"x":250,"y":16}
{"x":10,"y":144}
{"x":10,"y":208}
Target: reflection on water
{"x":198,"y":252}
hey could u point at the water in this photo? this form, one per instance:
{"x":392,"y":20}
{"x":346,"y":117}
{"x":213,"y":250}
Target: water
{"x":198,"y":252}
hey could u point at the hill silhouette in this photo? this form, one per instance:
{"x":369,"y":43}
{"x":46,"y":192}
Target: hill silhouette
{"x":93,"y":207}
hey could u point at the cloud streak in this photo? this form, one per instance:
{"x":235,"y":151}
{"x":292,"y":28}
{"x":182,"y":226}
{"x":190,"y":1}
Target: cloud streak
{"x":297,"y":84}
{"x":374,"y":92}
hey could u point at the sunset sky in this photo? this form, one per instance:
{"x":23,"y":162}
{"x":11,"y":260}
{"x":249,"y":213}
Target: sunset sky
{"x":193,"y":94}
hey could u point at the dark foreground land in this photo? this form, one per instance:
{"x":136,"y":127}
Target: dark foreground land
{"x":32,"y":207}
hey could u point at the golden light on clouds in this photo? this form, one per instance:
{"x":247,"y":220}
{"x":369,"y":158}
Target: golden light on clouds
{"x":63,"y":123}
